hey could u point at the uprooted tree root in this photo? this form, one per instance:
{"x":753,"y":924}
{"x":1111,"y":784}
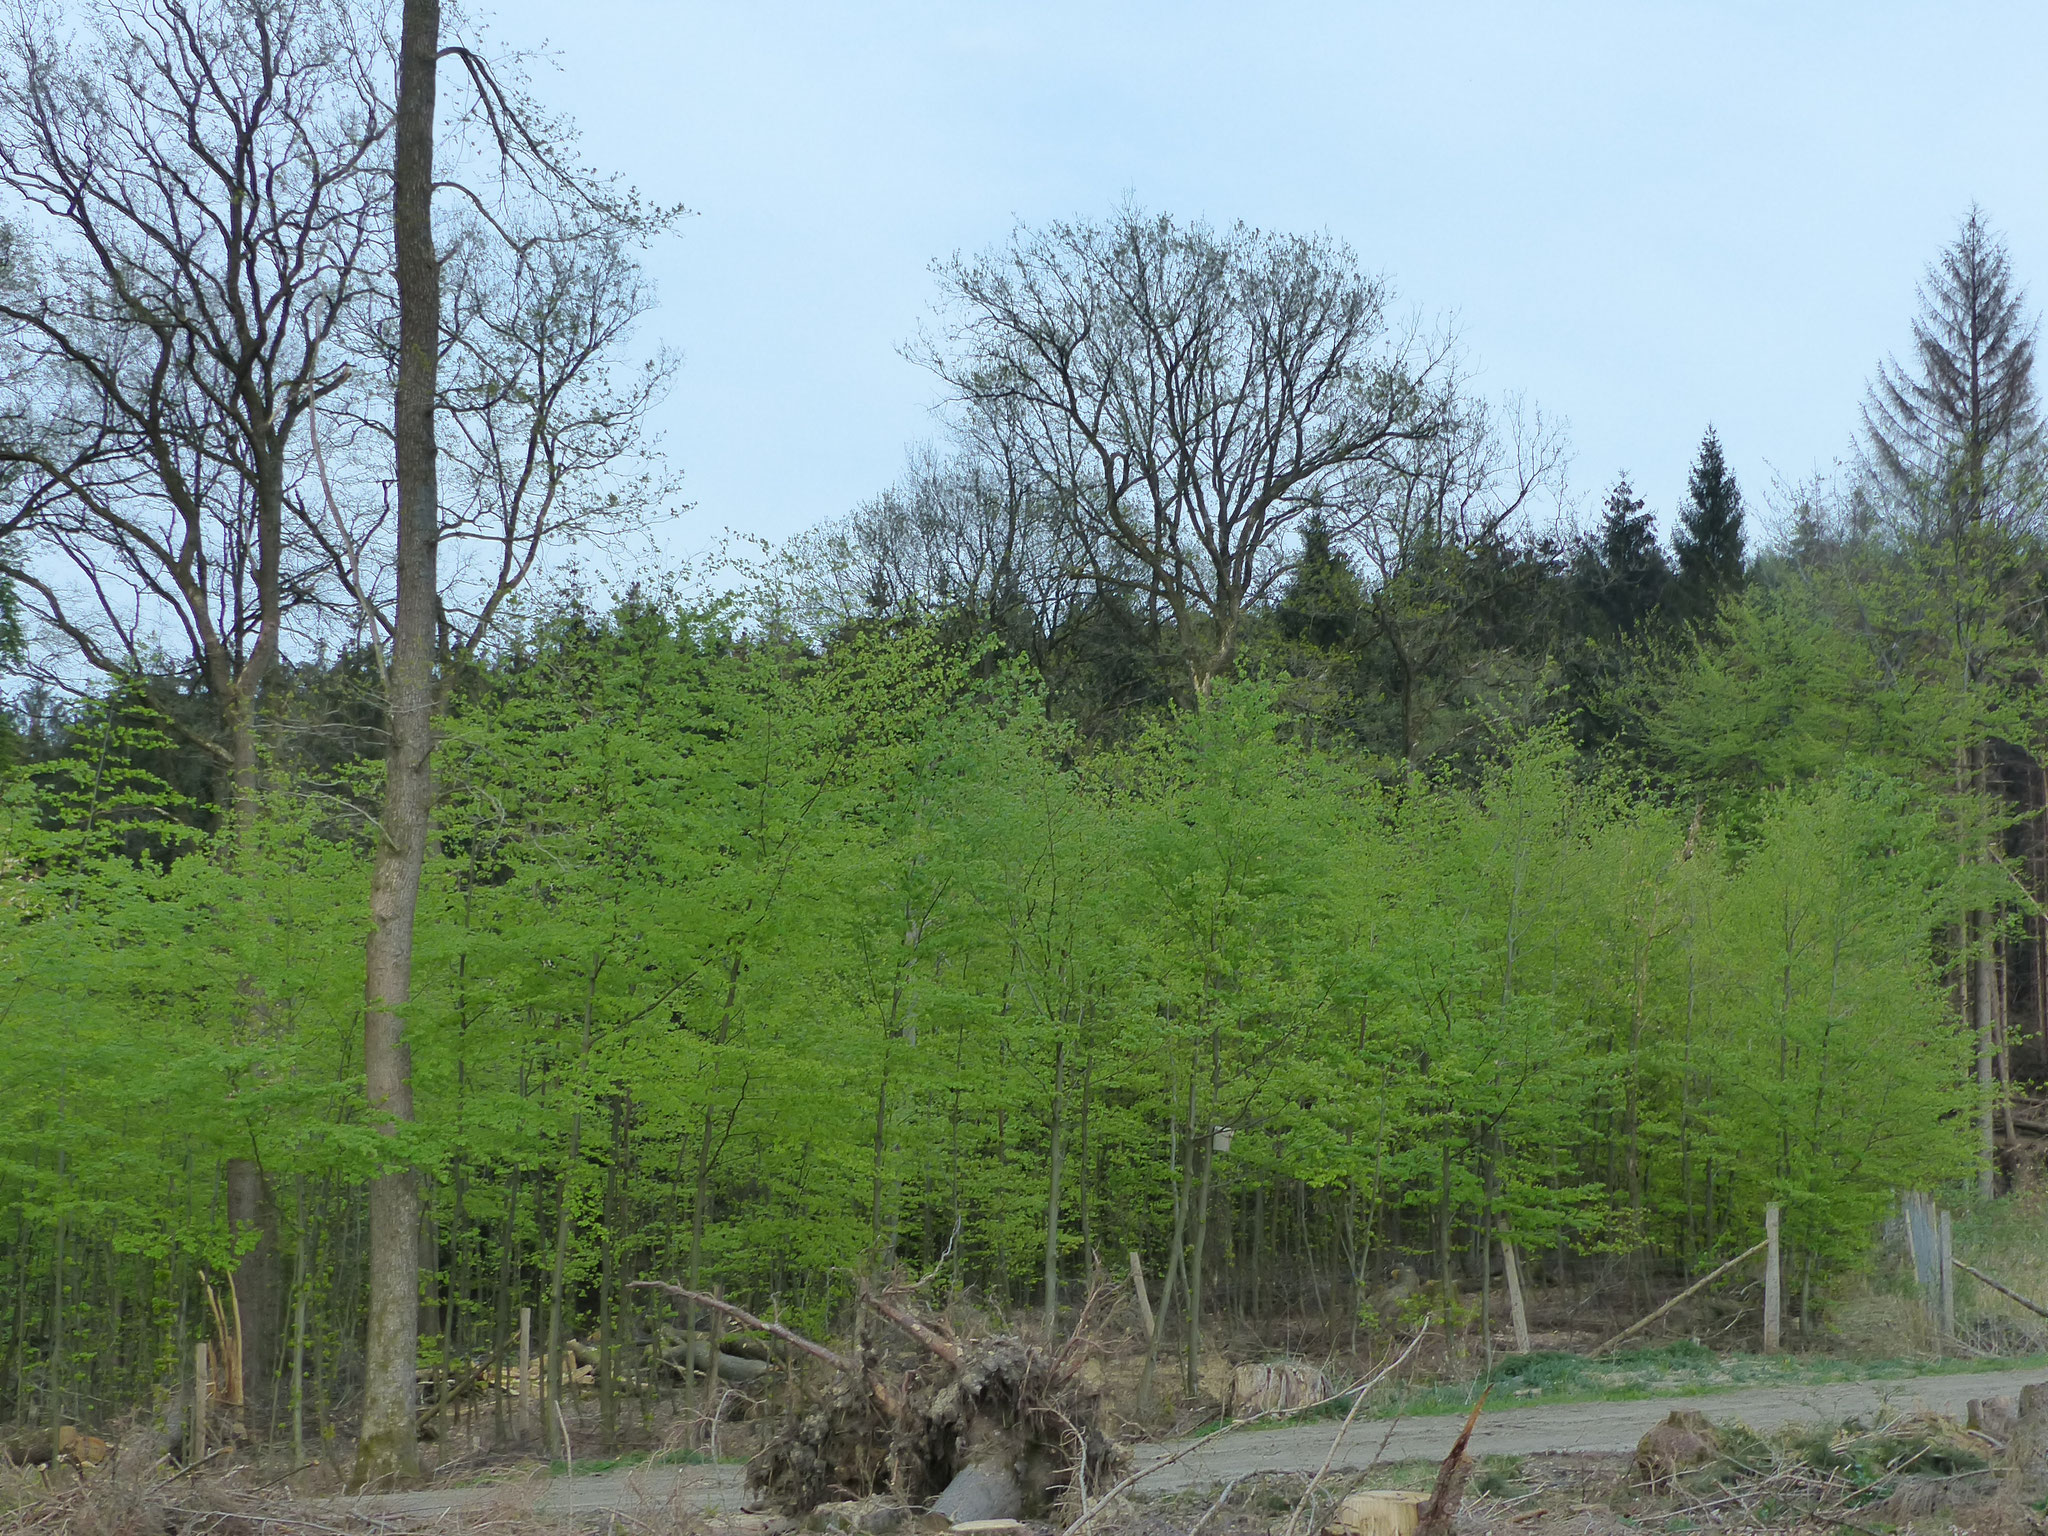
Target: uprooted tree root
{"x":919,"y":1407}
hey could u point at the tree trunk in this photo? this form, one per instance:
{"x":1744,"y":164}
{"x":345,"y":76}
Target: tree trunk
{"x":1987,"y":1093}
{"x":1052,"y":1200}
{"x":1206,"y":1152}
{"x":388,"y":1451}
{"x":250,"y":1208}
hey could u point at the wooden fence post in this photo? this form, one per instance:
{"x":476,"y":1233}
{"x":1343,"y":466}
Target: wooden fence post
{"x":202,"y":1386}
{"x":1518,"y":1314}
{"x":1774,"y":1295}
{"x":1948,"y":1280}
{"x":1138,"y":1289}
{"x":526,"y":1373}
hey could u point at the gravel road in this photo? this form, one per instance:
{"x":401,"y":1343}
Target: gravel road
{"x":1297,"y":1448}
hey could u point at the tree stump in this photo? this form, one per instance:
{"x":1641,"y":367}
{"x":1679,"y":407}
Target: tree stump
{"x":2027,"y":1450}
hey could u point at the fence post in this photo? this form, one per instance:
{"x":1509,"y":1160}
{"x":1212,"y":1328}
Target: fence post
{"x":202,"y":1385}
{"x":1774,"y":1294}
{"x":1948,"y":1280}
{"x":1518,"y":1314}
{"x":526,"y":1373}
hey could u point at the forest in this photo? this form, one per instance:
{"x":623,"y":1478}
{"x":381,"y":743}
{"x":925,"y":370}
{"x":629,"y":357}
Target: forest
{"x":1230,"y":802}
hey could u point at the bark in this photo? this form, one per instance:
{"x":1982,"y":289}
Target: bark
{"x":250,"y":1209}
{"x":1987,"y":1092}
{"x":1052,"y":1202}
{"x":389,"y":1448}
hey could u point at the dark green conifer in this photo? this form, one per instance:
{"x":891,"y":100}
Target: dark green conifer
{"x":1709,"y":536}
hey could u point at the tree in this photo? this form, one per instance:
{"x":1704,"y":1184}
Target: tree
{"x":1441,"y":525}
{"x":1184,"y":396}
{"x":200,"y":181}
{"x":1958,"y":437}
{"x":388,"y":1448}
{"x":1708,"y":539}
{"x":1320,"y":606}
{"x":1622,"y":571}
{"x":1955,"y":451}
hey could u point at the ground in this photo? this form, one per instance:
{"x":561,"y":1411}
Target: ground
{"x":1545,"y":1471}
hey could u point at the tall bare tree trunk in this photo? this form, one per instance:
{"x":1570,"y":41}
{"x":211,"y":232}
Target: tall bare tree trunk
{"x":389,"y":1449}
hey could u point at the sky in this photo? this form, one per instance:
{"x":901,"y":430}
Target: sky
{"x":1643,"y":218}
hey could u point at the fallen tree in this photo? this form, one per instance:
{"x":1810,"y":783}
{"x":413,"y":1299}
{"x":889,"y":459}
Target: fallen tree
{"x":982,"y":1428}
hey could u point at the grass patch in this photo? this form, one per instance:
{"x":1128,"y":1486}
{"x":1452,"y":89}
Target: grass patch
{"x":1666,"y":1370}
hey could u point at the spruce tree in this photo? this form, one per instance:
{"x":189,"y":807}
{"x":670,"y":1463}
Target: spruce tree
{"x":1957,"y":440}
{"x":1623,"y":571}
{"x":1320,"y":606}
{"x":1709,"y":536}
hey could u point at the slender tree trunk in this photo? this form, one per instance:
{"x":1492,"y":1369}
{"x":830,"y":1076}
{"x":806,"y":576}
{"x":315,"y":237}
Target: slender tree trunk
{"x":1052,"y":1200}
{"x":299,"y":1279}
{"x":388,"y":1451}
{"x":250,"y":1209}
{"x":551,"y":1432}
{"x":1207,"y":1154}
{"x":1987,"y":1092}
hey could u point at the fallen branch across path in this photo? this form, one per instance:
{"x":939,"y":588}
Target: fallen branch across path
{"x":747,"y":1319}
{"x":1697,"y":1285}
{"x":2006,"y":1291}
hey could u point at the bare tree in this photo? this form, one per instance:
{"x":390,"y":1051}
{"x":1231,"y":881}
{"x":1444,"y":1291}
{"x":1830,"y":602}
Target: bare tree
{"x":1184,"y":396}
{"x":543,"y":443}
{"x":965,"y":536}
{"x":199,"y":192}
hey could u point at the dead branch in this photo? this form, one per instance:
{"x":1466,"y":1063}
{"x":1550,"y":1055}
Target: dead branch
{"x":944,"y":1349}
{"x":2011,"y":1295}
{"x":747,"y":1319}
{"x":1442,"y":1508}
{"x":1697,"y":1285}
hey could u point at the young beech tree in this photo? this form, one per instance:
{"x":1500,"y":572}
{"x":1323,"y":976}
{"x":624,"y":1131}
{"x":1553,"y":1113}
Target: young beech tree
{"x":1840,"y":1075}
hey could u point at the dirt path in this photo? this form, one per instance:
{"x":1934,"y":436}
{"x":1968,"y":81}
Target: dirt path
{"x":1565,"y":1427}
{"x":1298,"y":1448}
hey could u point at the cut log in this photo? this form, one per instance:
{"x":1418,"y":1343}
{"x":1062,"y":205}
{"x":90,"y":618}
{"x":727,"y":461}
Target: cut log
{"x":981,"y":1490}
{"x":747,"y":1319}
{"x":1275,"y":1384}
{"x":697,"y":1355}
{"x":1377,"y":1512}
{"x":39,"y":1449}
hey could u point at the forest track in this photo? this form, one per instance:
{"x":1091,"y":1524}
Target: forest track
{"x":1561,"y":1427}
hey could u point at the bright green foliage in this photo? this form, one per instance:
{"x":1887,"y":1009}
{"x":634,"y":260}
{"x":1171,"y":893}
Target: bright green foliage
{"x":767,"y":967}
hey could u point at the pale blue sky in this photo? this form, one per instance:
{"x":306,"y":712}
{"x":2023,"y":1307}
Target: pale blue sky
{"x":1644,"y":217}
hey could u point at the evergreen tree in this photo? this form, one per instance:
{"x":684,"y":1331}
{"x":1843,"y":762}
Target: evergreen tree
{"x":1709,"y":537}
{"x":1320,"y":606}
{"x":1623,"y":572}
{"x":1958,"y":440}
